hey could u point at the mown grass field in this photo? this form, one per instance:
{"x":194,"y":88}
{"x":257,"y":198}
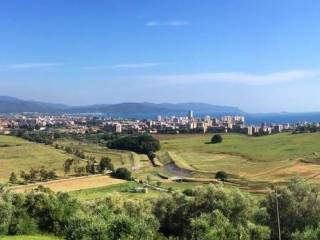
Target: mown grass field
{"x":73,"y":184}
{"x":269,"y":158}
{"x":123,"y":189}
{"x":18,"y":154}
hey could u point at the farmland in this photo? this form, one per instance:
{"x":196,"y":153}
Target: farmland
{"x":270,"y":158}
{"x":73,"y":184}
{"x":251,"y":162}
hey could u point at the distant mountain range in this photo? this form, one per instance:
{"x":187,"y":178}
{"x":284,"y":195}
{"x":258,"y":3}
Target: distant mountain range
{"x":129,"y":109}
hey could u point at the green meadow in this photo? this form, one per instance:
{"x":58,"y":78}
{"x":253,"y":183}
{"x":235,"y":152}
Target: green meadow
{"x":268,"y":158}
{"x":18,"y":154}
{"x":119,"y":158}
{"x":254,"y":161}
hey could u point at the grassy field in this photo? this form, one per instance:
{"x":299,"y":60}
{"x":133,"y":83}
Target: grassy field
{"x":269,"y":158}
{"x":17,"y":154}
{"x":119,"y":158}
{"x":24,"y":237}
{"x":123,"y":189}
{"x":72,"y":184}
{"x":252,"y":162}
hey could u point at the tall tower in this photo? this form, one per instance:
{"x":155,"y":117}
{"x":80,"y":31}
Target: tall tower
{"x":190,"y":114}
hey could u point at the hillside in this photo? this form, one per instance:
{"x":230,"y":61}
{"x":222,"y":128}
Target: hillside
{"x":271,"y":158}
{"x":17,"y":154}
{"x":129,"y":109}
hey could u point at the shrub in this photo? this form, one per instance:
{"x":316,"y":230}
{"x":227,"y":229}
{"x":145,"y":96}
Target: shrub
{"x":122,"y":173}
{"x":221,"y":175}
{"x":105,"y":164}
{"x":217,"y":138}
{"x":13,"y":178}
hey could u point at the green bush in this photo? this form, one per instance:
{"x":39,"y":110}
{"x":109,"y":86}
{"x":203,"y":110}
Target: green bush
{"x":122,"y":173}
{"x":141,"y":143}
{"x":221,"y":175}
{"x":217,"y":138}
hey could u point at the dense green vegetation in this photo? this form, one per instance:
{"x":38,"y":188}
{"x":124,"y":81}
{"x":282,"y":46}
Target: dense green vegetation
{"x":141,"y":143}
{"x":122,"y":173}
{"x":217,"y":138}
{"x":221,"y":175}
{"x":33,"y":237}
{"x":207,"y":213}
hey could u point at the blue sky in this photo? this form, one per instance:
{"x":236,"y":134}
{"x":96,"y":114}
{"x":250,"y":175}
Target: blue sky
{"x":262,"y":56}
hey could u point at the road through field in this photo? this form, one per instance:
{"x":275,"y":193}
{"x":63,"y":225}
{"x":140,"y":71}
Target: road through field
{"x":72,"y":184}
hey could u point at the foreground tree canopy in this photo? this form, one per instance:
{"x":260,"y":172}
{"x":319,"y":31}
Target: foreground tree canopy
{"x":202,"y":213}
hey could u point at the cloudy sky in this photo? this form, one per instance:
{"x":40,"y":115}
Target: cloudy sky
{"x":262,"y":56}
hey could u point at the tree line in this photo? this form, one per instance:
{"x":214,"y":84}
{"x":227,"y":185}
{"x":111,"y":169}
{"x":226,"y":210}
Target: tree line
{"x":203,"y":213}
{"x":91,"y":167}
{"x":33,"y":175}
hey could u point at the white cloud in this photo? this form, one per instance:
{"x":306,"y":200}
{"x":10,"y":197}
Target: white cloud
{"x":126,"y":65}
{"x":168,"y":24}
{"x":235,"y":77}
{"x":27,"y":66}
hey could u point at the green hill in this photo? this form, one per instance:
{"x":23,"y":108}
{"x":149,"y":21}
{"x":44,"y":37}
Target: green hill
{"x":270,"y":158}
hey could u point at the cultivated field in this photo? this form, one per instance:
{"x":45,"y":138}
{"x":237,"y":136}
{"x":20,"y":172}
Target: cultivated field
{"x":17,"y":154}
{"x":272,"y":158}
{"x":73,"y":184}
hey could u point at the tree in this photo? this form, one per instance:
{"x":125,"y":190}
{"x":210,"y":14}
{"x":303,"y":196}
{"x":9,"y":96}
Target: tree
{"x":91,"y":168}
{"x":52,"y":174}
{"x":105,"y":164}
{"x":122,"y":227}
{"x":67,"y":166}
{"x":152,"y":156}
{"x":217,"y":138}
{"x":33,"y":174}
{"x":299,"y":208}
{"x":139,"y":143}
{"x":13,"y":178}
{"x":122,"y":173}
{"x":25,"y":176}
{"x":43,"y":174}
{"x":79,"y":153}
{"x":68,"y":149}
{"x":79,"y":170}
{"x":221,"y":175}
{"x":307,"y":234}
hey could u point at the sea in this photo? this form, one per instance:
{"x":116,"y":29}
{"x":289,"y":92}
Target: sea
{"x":250,"y":119}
